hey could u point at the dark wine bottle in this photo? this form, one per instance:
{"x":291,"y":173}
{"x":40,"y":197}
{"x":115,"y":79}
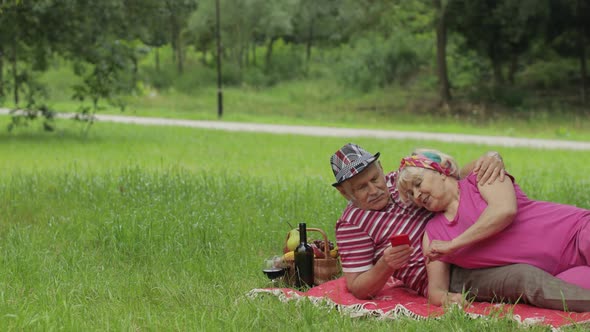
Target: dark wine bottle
{"x":303,"y":260}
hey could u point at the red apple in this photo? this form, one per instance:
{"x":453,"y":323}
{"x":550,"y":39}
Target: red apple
{"x":317,"y":252}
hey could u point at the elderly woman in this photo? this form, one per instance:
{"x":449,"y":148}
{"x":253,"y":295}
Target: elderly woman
{"x":493,"y":224}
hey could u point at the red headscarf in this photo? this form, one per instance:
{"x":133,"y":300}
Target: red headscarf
{"x":420,"y":160}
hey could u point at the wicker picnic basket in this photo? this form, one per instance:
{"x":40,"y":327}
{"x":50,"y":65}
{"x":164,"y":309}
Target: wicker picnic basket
{"x":324,"y":269}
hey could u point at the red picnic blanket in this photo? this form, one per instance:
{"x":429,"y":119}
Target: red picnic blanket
{"x":395,"y":300}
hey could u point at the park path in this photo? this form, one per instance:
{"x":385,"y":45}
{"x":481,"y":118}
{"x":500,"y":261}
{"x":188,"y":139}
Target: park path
{"x":343,"y":132}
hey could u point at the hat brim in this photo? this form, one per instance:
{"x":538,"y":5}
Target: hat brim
{"x":369,"y":162}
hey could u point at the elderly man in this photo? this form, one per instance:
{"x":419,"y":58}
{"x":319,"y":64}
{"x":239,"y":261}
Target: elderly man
{"x":375,"y":213}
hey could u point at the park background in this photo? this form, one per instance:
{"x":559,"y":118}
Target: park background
{"x":119,"y":227}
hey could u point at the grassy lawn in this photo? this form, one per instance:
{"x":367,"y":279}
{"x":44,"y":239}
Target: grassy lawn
{"x":157,"y":228}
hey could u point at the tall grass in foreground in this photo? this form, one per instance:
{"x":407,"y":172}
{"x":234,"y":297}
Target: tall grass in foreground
{"x":144,"y":228}
{"x":159,"y":251}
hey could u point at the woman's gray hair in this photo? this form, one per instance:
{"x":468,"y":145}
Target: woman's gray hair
{"x":408,"y":176}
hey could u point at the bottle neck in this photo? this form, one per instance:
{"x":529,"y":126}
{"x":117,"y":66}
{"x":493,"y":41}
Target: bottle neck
{"x":302,"y":233}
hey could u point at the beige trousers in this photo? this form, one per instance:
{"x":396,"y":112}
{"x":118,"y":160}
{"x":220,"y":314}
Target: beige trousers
{"x":519,"y":283}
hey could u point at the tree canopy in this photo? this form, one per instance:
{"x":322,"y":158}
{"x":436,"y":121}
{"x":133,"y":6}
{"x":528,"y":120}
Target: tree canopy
{"x":371,"y":43}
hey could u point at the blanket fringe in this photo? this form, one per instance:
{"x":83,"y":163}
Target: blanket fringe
{"x":359,"y":310}
{"x":352,"y":310}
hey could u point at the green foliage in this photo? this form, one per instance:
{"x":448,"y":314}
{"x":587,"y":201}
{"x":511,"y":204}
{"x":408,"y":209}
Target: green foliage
{"x":160,"y":79}
{"x":375,"y":47}
{"x":570,"y":27}
{"x":34,"y":108}
{"x":378,"y":62}
{"x":167,"y":78}
{"x":108,"y":77}
{"x":466,"y":67}
{"x":552,"y":75}
{"x":511,"y":97}
{"x":503,"y":34}
{"x":287,"y":63}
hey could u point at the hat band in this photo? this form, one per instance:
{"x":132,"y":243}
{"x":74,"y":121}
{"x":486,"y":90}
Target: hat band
{"x":346,"y":170}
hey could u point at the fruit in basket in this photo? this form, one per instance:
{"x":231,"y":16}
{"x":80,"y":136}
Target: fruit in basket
{"x":289,"y":256}
{"x":334,"y":253}
{"x":317,"y":253}
{"x":292,"y":240}
{"x":321,"y":244}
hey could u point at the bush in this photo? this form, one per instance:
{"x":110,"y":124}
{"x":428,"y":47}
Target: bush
{"x":159,"y":79}
{"x":550,"y":74}
{"x":465,"y":67}
{"x":167,"y":77}
{"x":196,"y":77}
{"x":254,"y":76}
{"x":506,"y":95}
{"x":287,"y":63}
{"x":378,"y":62}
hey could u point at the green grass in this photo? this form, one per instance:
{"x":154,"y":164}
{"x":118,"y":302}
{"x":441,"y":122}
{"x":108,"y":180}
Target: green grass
{"x":326,"y":103}
{"x":157,"y":228}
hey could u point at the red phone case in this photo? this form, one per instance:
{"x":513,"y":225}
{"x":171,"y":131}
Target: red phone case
{"x":398,"y":240}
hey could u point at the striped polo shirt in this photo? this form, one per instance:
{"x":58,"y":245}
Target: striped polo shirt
{"x":363,"y":235}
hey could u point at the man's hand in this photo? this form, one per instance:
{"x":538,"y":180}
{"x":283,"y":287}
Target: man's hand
{"x":438,"y":248}
{"x":365,"y":285}
{"x":398,"y":256}
{"x":489,"y":168}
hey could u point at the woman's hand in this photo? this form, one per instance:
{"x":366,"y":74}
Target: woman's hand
{"x":438,"y":248}
{"x":490,"y":168}
{"x":455,"y":298}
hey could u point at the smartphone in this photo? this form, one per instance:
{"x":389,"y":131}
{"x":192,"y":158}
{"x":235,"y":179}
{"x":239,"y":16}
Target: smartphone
{"x":399,"y":239}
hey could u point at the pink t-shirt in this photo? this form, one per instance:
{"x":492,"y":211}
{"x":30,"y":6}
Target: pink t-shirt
{"x":362,"y":236}
{"x":543,"y":234}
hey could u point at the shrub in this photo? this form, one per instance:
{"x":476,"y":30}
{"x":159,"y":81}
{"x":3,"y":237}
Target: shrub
{"x":167,"y":77}
{"x":377,"y":62}
{"x":549,"y":74}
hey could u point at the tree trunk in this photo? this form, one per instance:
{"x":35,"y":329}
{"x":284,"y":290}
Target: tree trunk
{"x":157,"y":59}
{"x":254,"y":54}
{"x":495,"y":58}
{"x":15,"y":74}
{"x":204,"y":55}
{"x":268,"y":56}
{"x":441,"y":55}
{"x":241,"y":57}
{"x":135,"y":70}
{"x":176,"y":47}
{"x":179,"y":56}
{"x":513,"y":68}
{"x":246,"y":51}
{"x":497,"y":69}
{"x":582,"y":52}
{"x":1,"y":71}
{"x":173,"y":42}
{"x":583,"y":70}
{"x":309,"y":40}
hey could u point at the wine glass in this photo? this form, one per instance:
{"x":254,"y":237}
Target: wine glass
{"x":274,"y":268}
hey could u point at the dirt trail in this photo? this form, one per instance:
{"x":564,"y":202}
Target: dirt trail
{"x":344,"y":132}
